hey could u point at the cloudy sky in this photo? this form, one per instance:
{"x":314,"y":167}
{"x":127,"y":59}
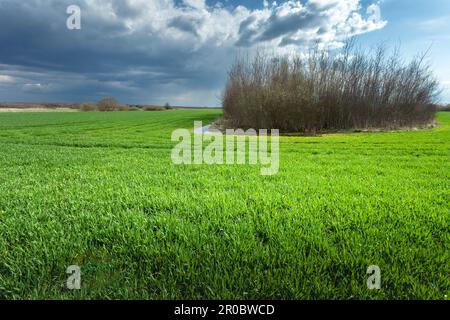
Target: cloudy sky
{"x":178,"y":51}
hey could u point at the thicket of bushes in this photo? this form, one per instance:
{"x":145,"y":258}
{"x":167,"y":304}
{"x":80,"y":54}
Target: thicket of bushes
{"x":330,"y":91}
{"x":158,"y":108}
{"x":106,"y":104}
{"x":111,"y":104}
{"x":444,"y":108}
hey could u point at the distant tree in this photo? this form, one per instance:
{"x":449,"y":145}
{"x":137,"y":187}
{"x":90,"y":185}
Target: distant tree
{"x":108,"y":104}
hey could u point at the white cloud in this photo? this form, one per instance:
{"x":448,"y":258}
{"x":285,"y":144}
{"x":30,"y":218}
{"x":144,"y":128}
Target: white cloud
{"x":435,"y":23}
{"x":36,"y":85}
{"x":289,"y":23}
{"x":6,"y":79}
{"x":328,"y":22}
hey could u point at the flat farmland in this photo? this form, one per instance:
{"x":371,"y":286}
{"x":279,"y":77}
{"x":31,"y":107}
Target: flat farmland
{"x":99,"y":190}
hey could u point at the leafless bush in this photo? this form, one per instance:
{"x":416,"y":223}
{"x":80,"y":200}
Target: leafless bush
{"x":154,"y":108}
{"x":444,"y":108}
{"x":88,"y":107}
{"x":123,"y":107}
{"x":133,"y":108}
{"x":108,"y":104}
{"x":330,"y":91}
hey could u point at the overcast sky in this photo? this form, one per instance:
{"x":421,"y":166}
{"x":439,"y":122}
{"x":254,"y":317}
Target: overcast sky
{"x":178,"y":51}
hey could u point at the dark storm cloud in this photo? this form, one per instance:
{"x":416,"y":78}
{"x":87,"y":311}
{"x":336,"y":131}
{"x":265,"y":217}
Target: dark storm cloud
{"x":104,"y":58}
{"x":137,"y":50}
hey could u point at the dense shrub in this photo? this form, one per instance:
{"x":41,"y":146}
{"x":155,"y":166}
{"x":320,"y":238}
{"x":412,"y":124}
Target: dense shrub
{"x":328,"y":91}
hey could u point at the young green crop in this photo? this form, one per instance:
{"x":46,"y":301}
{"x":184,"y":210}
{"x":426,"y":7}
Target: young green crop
{"x":99,"y":190}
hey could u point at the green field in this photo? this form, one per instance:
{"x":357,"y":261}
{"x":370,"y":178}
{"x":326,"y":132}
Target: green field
{"x":99,"y":190}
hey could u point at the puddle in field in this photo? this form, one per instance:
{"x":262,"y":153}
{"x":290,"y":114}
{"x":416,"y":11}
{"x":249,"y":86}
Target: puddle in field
{"x":204,"y":130}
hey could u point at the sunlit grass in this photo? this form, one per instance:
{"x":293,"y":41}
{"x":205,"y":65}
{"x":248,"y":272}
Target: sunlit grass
{"x":99,"y":190}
